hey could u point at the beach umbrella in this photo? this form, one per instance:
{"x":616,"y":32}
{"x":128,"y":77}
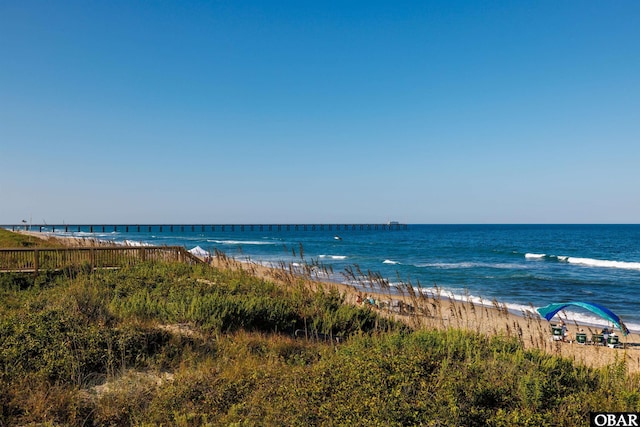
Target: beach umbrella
{"x":550,"y":310}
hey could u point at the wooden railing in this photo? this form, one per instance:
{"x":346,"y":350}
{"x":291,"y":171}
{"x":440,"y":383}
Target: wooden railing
{"x":38,"y":259}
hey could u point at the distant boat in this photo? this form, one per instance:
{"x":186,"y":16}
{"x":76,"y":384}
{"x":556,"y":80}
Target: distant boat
{"x":393,"y":223}
{"x":337,"y":237}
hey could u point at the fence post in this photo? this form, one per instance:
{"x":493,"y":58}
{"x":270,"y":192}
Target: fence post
{"x":92,"y":258}
{"x":36,"y":264}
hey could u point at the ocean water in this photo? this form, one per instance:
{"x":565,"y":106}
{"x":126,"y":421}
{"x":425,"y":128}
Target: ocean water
{"x":518,"y":265}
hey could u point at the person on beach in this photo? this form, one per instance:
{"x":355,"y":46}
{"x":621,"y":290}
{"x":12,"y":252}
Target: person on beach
{"x":564,"y":330}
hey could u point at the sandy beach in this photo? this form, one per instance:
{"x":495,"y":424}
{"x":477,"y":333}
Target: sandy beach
{"x":440,"y":312}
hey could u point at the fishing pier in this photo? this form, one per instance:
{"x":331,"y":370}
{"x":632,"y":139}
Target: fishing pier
{"x":194,"y":228}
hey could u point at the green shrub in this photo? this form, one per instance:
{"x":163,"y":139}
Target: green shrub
{"x":172,"y":344}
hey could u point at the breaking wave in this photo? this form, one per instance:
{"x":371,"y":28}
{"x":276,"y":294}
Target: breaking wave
{"x":589,"y":262}
{"x":333,"y":256}
{"x":242,"y":242}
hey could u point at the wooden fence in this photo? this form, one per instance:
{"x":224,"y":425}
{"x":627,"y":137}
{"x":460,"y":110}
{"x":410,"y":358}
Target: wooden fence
{"x":38,"y":259}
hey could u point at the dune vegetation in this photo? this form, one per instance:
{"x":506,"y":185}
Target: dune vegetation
{"x":10,"y":239}
{"x":190,"y":345}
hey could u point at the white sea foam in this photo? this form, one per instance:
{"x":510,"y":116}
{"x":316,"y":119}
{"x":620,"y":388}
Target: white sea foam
{"x":134,"y":243}
{"x":86,"y":233}
{"x":243,"y":242}
{"x":534,"y":256}
{"x":76,"y":233}
{"x":333,"y":256}
{"x":388,"y":261}
{"x":604,"y":263}
{"x":589,"y":262}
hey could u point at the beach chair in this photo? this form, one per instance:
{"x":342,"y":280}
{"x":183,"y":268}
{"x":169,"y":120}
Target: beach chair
{"x":396,"y":306}
{"x":556,"y":333}
{"x":613,"y":341}
{"x":581,"y":338}
{"x":597,"y":339}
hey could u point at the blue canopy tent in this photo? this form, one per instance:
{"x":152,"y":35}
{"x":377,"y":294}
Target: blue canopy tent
{"x":550,"y":310}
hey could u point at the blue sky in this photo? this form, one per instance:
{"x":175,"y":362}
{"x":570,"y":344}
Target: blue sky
{"x":300,"y":112}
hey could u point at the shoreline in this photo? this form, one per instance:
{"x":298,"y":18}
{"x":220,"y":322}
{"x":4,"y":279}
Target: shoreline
{"x":345,"y":273}
{"x":440,"y":312}
{"x":437,"y":311}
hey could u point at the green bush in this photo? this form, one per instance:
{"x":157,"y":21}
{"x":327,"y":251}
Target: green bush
{"x":171,"y":344}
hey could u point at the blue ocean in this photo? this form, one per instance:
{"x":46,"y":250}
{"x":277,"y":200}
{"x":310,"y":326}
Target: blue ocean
{"x":518,"y":265}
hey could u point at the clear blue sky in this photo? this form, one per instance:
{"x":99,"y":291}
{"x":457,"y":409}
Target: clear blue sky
{"x":323,"y":111}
